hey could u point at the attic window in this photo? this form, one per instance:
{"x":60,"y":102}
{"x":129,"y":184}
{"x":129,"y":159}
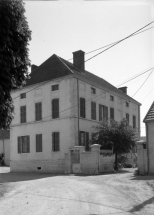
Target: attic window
{"x":93,"y":90}
{"x":127,"y":104}
{"x":22,"y":95}
{"x":55,"y":87}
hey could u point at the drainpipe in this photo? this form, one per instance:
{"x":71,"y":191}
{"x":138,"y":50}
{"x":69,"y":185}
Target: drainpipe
{"x":147,"y":141}
{"x":139,"y":122}
{"x":78,"y":108}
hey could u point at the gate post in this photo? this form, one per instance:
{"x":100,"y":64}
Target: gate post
{"x":96,"y":148}
{"x":141,"y":157}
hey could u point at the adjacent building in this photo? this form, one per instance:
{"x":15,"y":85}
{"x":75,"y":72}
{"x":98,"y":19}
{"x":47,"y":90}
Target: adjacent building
{"x":56,"y":110}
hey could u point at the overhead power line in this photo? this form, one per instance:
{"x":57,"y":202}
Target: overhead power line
{"x":148,"y":94}
{"x":133,"y":34}
{"x":142,"y":84}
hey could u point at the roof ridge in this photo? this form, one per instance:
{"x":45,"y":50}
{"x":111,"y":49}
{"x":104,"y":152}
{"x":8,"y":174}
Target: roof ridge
{"x":149,"y":113}
{"x":61,"y":60}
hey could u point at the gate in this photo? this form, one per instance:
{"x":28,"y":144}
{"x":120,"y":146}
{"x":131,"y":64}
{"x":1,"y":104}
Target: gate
{"x":75,"y":160}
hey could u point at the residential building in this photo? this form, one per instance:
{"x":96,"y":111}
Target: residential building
{"x":56,"y":110}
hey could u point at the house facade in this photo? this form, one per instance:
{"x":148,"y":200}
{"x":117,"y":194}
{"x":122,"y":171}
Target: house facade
{"x":149,"y":122}
{"x":56,"y":110}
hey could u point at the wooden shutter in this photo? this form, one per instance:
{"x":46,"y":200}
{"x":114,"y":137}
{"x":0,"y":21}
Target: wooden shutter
{"x":93,"y":110}
{"x":19,"y":145}
{"x":23,"y":114}
{"x":82,"y":108}
{"x":38,"y":111}
{"x":57,"y":141}
{"x":87,"y":141}
{"x":111,"y":113}
{"x":53,"y":144}
{"x":39,"y":143}
{"x":100,"y":112}
{"x":55,"y":108}
{"x":105,"y":112}
{"x":28,"y":144}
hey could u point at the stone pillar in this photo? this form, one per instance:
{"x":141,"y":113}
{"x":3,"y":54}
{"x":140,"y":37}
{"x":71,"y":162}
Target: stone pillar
{"x":141,"y":157}
{"x":96,"y":148}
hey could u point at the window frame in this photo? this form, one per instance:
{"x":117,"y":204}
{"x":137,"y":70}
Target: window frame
{"x":38,"y":111}
{"x":127,"y":104}
{"x":55,"y":112}
{"x":22,"y":95}
{"x":105,"y":112}
{"x":134,"y":124}
{"x":20,"y":145}
{"x":93,"y":90}
{"x":82,"y":107}
{"x":93,"y":110}
{"x":23,"y":114}
{"x":39,"y":147}
{"x":127,"y":118}
{"x":111,"y":98}
{"x":54,"y":85}
{"x":55,"y":141}
{"x":112,"y":113}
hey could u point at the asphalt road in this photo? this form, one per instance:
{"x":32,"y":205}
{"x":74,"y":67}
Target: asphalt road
{"x":43,"y":194}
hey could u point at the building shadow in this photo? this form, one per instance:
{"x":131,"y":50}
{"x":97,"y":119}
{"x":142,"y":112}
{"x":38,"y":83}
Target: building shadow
{"x":142,"y":177}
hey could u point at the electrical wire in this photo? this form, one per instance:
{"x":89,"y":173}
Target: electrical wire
{"x":133,"y":34}
{"x":148,"y":94}
{"x":142,"y":84}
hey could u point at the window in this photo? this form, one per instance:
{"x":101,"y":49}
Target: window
{"x":38,"y":142}
{"x":93,"y":90}
{"x":103,"y":112}
{"x":55,"y":108}
{"x":84,"y":139}
{"x":55,"y":141}
{"x":93,"y":110}
{"x":134,"y":121}
{"x":55,"y":87}
{"x":111,"y":98}
{"x":38,"y":111}
{"x":23,"y":144}
{"x":22,"y":95}
{"x":111,"y":113}
{"x":127,"y":104}
{"x":82,"y":108}
{"x":23,"y":114}
{"x":127,"y":117}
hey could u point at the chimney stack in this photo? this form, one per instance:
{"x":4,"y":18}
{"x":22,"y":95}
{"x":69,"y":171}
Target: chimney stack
{"x":123,"y":89}
{"x":33,"y":67}
{"x":78,"y":60}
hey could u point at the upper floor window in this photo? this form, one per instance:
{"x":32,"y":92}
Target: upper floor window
{"x":134,"y":121}
{"x":38,"y":142}
{"x":23,"y":114}
{"x":38,"y":111}
{"x":127,"y":117}
{"x":111,"y":98}
{"x":93,"y":90}
{"x":55,"y":141}
{"x":111,"y":113}
{"x":55,"y":108}
{"x":23,"y":144}
{"x":55,"y":87}
{"x":93,"y":110}
{"x":82,"y":108}
{"x":103,"y":112}
{"x":127,"y":104}
{"x":22,"y":95}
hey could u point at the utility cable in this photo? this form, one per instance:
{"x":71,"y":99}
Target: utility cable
{"x":142,"y":84}
{"x":133,"y":34}
{"x":148,"y":94}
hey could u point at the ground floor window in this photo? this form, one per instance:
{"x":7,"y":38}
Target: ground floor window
{"x":84,"y":139}
{"x":24,"y":144}
{"x":38,"y":142}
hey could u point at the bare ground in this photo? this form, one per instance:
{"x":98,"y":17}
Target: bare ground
{"x":116,"y":193}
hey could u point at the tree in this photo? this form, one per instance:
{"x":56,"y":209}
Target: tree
{"x":117,"y":135}
{"x":14,"y":61}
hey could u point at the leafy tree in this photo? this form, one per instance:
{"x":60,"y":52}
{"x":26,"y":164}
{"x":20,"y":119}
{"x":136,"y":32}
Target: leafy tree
{"x":117,"y":135}
{"x":14,"y":61}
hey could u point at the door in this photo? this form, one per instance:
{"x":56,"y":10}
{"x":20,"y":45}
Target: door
{"x":75,"y":160}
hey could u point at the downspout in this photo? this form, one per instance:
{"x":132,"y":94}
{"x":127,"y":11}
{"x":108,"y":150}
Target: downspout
{"x":78,"y":109}
{"x":147,"y":144}
{"x":139,"y":129}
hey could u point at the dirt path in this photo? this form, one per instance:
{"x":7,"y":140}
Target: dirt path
{"x":76,"y":195}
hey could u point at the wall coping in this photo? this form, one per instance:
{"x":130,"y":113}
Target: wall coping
{"x":140,"y":142}
{"x":95,"y":146}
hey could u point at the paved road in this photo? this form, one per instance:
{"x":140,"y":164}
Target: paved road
{"x":117,"y":193}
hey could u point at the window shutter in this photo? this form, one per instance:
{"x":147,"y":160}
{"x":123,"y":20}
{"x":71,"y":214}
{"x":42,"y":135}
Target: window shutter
{"x":100,"y":112}
{"x":112,"y":113}
{"x":87,"y":141}
{"x":82,"y":107}
{"x":57,"y":148}
{"x":79,"y":138}
{"x":55,"y":108}
{"x":105,"y":112}
{"x":28,"y":144}
{"x":53,"y":135}
{"x":19,"y":145}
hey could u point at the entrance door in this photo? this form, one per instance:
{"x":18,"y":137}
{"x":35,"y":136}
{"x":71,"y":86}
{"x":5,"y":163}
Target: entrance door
{"x":75,"y":160}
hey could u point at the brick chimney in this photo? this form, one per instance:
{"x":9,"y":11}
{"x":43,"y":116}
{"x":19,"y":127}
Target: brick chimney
{"x":123,"y":89}
{"x":33,"y":67}
{"x":78,"y":60}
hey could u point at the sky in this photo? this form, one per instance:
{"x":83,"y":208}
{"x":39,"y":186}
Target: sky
{"x":62,"y":27}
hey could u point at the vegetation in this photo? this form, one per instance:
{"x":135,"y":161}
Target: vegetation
{"x":14,"y":39}
{"x":118,"y":136}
